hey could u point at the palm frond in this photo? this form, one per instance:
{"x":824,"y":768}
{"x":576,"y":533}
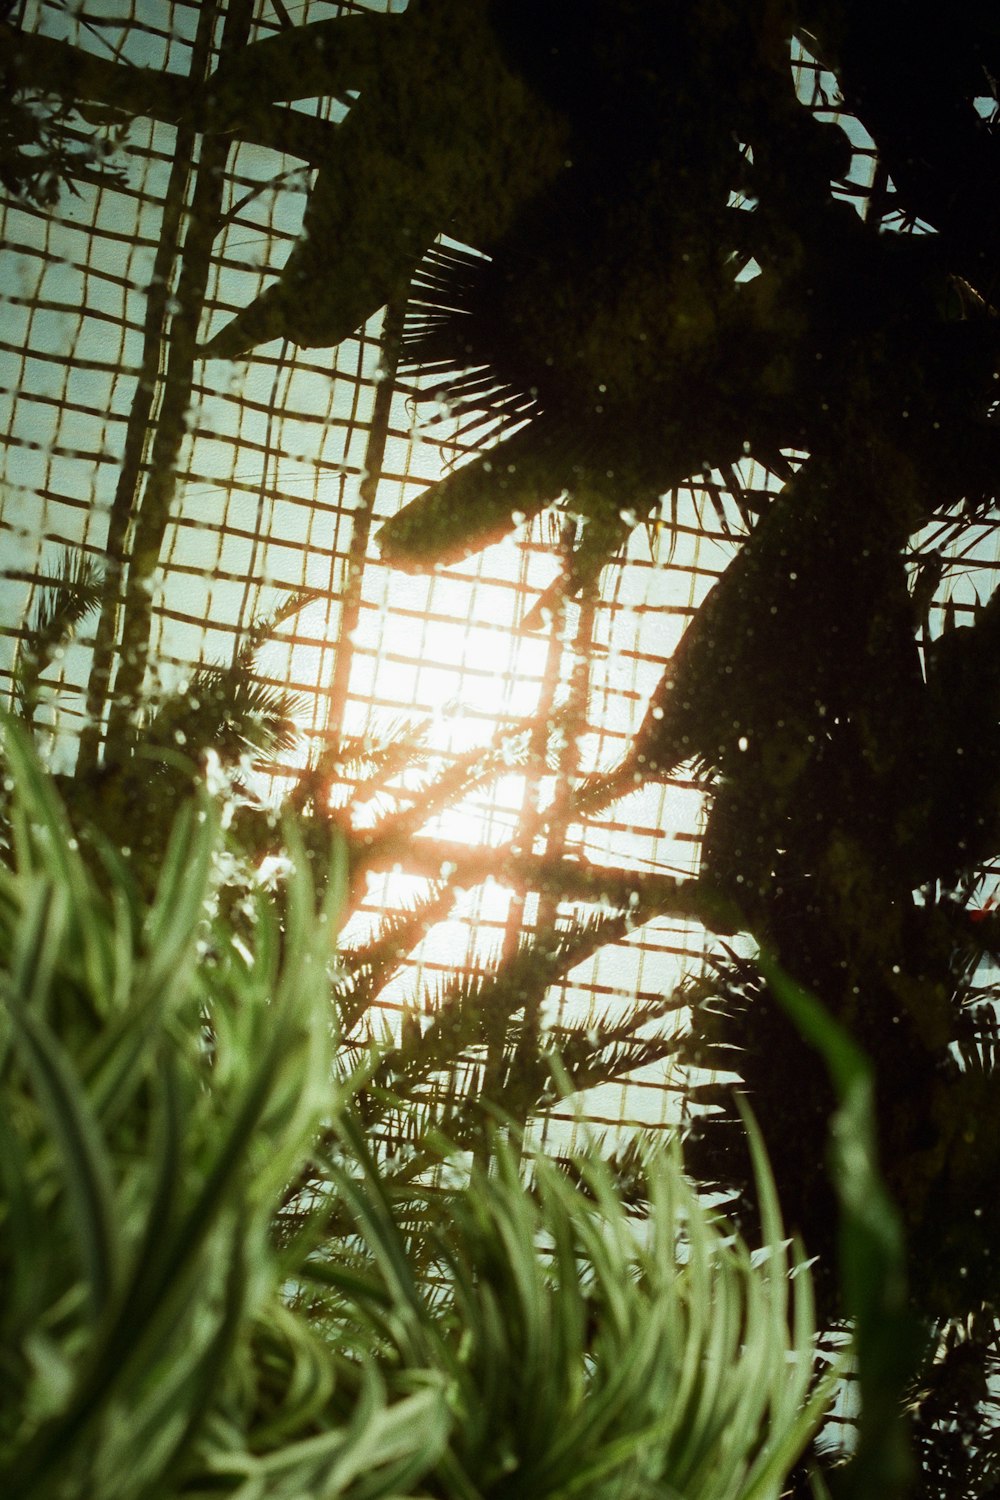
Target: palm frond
{"x":226,"y":709}
{"x":473,"y":1012}
{"x":445,"y":294}
{"x":612,"y":1030}
{"x":62,"y":604}
{"x":263,"y":627}
{"x":370,"y":760}
{"x":369,"y":967}
{"x":465,"y":774}
{"x":978,"y":1048}
{"x":458,"y":1022}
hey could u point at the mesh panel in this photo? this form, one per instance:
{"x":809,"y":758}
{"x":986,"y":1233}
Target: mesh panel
{"x":210,"y":490}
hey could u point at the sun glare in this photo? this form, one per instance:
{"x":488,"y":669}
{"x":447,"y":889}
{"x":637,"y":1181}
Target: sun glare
{"x":447,"y":651}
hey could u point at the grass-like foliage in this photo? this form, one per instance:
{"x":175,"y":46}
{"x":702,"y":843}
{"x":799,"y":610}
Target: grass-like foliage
{"x":586,"y":1352}
{"x":163,"y":1083}
{"x":159,"y":1087}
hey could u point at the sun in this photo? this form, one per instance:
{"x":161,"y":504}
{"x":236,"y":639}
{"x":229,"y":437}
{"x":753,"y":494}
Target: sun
{"x":448,"y":651}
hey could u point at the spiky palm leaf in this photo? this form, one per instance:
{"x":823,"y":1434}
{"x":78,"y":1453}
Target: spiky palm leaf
{"x":373,"y":762}
{"x":954,"y":1409}
{"x":467,"y":772}
{"x":62,"y":603}
{"x":368,"y":762}
{"x":369,"y":967}
{"x":387,"y":185}
{"x":437,"y":1072}
{"x":226,"y":709}
{"x":131,"y":802}
{"x":610,"y":1047}
{"x":264,"y":626}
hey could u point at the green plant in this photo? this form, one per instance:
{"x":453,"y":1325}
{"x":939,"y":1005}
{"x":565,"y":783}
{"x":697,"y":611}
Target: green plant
{"x":473,"y":1043}
{"x":872,"y":1254}
{"x":60,"y":607}
{"x":586,"y":1352}
{"x":615,"y":291}
{"x":160,"y":1085}
{"x":163,"y":1081}
{"x":224,"y":710}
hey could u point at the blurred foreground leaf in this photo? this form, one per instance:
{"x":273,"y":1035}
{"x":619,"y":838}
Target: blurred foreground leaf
{"x":161,"y":1084}
{"x":872,"y":1254}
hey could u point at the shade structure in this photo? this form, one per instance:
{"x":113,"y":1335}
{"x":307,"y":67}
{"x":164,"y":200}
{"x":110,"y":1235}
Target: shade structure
{"x":266,"y":476}
{"x":207,"y":489}
{"x":212,"y":476}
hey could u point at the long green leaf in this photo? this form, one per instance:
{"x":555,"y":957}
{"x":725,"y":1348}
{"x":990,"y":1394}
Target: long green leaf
{"x":85,"y":1163}
{"x":872,"y":1251}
